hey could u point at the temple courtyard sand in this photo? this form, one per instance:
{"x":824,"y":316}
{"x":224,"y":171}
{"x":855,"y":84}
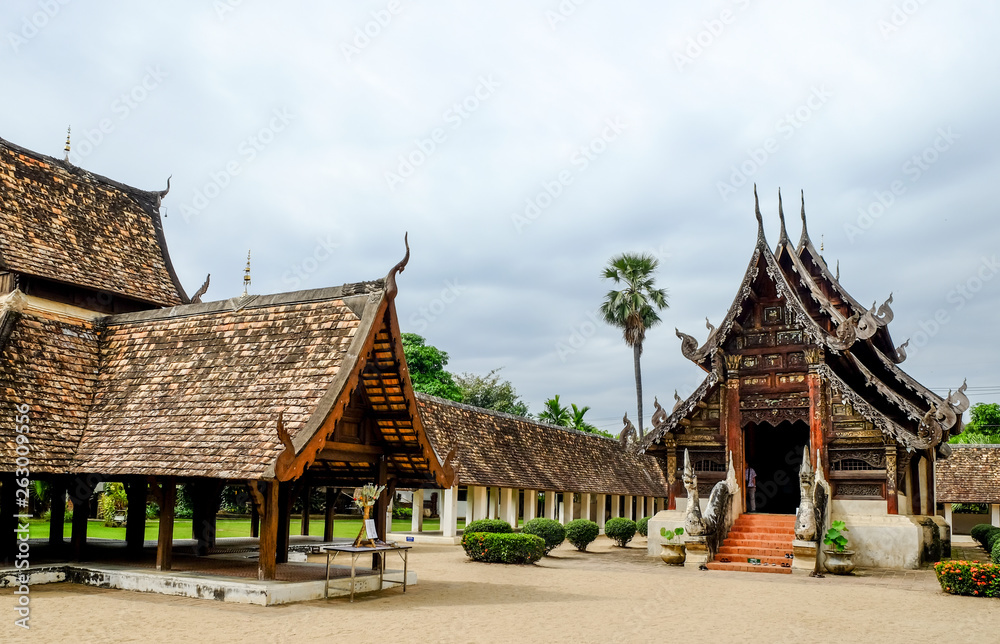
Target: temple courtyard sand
{"x":605,"y":595}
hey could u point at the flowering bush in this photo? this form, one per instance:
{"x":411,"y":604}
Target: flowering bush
{"x":969,"y":578}
{"x":501,"y":547}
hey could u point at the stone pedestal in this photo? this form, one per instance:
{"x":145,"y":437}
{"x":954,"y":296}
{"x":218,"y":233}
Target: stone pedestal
{"x":803,"y":556}
{"x":698,"y":553}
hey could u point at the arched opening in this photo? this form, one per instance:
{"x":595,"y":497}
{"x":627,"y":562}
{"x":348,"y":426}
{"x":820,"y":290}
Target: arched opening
{"x":775,"y":454}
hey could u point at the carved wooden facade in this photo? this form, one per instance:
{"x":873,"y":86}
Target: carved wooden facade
{"x":796,"y":348}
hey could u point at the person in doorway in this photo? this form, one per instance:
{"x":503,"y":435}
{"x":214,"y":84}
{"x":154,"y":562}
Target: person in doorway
{"x":751,"y":479}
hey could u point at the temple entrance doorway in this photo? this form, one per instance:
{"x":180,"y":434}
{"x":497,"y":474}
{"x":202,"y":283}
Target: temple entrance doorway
{"x":775,"y":454}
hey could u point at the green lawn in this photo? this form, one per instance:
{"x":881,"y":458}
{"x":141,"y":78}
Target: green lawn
{"x":224,"y":528}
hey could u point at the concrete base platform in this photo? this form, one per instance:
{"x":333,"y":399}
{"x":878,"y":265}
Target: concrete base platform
{"x":202,"y":586}
{"x":436,"y":538}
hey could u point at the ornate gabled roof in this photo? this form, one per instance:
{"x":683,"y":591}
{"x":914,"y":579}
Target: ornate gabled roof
{"x":859,"y":361}
{"x":664,"y":423}
{"x":500,"y":450}
{"x":61,"y":223}
{"x":762,"y":258}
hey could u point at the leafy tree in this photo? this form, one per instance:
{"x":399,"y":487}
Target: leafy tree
{"x":983,"y":428}
{"x":426,"y":364}
{"x":555,"y":413}
{"x":491,"y":392}
{"x":633,"y":309}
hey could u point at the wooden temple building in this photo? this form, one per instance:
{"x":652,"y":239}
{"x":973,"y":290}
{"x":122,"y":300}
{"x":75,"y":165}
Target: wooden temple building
{"x":126,"y":378}
{"x":797,"y":363}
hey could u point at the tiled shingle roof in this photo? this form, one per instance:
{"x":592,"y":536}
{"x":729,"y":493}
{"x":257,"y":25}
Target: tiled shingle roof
{"x":49,"y":363}
{"x":62,"y":223}
{"x":970,"y":475}
{"x":495,"y":449}
{"x":196,"y":390}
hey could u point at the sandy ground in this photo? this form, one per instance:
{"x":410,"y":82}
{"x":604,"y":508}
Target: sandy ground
{"x":607,"y":595}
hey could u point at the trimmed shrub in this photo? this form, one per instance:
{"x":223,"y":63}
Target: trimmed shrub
{"x":402,"y":513}
{"x":992,"y":538}
{"x":581,"y":533}
{"x":979,"y":532}
{"x":620,"y":530}
{"x":495,"y":526}
{"x":969,"y":578}
{"x":642,"y":526}
{"x":502,"y":547}
{"x":552,"y":532}
{"x":995,"y":553}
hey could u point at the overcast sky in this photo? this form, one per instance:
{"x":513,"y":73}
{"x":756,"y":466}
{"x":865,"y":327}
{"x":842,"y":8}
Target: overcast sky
{"x":522,"y":144}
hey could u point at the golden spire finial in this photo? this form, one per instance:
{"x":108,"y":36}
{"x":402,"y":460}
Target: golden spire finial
{"x":246,"y":275}
{"x":66,"y":149}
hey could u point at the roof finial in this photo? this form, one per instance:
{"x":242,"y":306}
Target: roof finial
{"x":246,"y":276}
{"x":66,"y":149}
{"x":781,"y":215}
{"x":821,"y":243}
{"x":756,"y":209}
{"x":390,"y":280}
{"x":838,"y":270}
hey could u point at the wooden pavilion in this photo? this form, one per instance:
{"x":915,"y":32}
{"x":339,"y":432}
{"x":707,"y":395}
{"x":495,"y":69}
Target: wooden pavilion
{"x":128,"y":379}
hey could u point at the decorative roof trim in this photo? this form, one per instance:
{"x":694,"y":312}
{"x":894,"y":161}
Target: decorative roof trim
{"x":680,"y":411}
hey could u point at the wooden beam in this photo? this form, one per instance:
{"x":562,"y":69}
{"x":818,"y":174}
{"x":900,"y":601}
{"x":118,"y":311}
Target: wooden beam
{"x":135,"y":526}
{"x":267,"y":561}
{"x":165,"y":539}
{"x":354,"y":448}
{"x":331,"y":500}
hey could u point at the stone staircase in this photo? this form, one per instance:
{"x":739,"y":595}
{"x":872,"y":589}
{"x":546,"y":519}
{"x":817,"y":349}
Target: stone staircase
{"x":758,"y":543}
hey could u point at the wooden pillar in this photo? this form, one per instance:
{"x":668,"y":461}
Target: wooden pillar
{"x":80,"y":494}
{"x":331,"y":502}
{"x":165,"y":538}
{"x":267,"y":560}
{"x":671,"y":444}
{"x":304,"y":523}
{"x":135,"y":527}
{"x":57,"y":515}
{"x":891,"y":496}
{"x":8,"y":521}
{"x":206,"y":497}
{"x":284,"y":521}
{"x":382,"y":504}
{"x":817,"y":425}
{"x":732,"y":427}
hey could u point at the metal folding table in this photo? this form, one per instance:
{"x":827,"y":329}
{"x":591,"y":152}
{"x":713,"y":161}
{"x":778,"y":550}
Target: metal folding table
{"x":356,"y":551}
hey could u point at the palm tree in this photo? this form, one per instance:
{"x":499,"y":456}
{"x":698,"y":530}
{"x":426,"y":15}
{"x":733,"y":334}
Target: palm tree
{"x":578,"y":423}
{"x":634,"y":308}
{"x":555,"y":413}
